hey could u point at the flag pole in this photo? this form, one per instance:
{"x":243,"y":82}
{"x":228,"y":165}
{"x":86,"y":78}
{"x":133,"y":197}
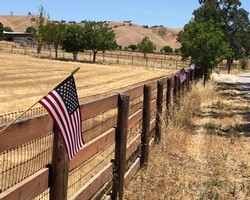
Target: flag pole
{"x":71,"y":74}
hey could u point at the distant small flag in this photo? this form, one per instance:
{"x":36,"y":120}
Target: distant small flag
{"x":182,"y":75}
{"x":192,"y":66}
{"x":63,"y":106}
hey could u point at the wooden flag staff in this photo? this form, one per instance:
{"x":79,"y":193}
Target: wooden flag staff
{"x":72,"y":73}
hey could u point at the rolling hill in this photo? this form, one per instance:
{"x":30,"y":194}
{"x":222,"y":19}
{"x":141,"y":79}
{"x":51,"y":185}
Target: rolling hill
{"x":126,"y":33}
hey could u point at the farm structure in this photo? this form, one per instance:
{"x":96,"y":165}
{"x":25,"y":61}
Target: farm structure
{"x":20,"y":38}
{"x":119,"y":130}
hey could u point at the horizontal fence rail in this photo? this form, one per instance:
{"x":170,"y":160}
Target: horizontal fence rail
{"x":119,"y":132}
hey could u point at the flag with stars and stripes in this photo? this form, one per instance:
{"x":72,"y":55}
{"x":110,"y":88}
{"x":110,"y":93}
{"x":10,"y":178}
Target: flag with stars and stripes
{"x":182,"y":75}
{"x":63,"y":106}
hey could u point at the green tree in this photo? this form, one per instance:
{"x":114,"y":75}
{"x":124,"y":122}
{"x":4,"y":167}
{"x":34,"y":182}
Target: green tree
{"x":53,"y":34}
{"x":39,"y":28}
{"x":133,"y":47}
{"x":205,"y":43}
{"x":99,"y":38}
{"x":167,"y":49}
{"x":234,"y":22}
{"x":146,"y":46}
{"x":177,"y":51}
{"x":1,"y":31}
{"x":73,"y":40}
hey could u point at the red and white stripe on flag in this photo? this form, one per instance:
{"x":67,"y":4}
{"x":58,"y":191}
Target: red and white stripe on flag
{"x":63,"y":106}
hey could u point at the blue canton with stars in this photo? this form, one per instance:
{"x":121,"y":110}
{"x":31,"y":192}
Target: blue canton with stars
{"x":67,"y":91}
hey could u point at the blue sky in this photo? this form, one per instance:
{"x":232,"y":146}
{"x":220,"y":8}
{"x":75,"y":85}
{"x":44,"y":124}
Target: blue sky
{"x":169,"y":13}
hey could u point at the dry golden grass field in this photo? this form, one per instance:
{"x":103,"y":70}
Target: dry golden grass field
{"x":24,"y":79}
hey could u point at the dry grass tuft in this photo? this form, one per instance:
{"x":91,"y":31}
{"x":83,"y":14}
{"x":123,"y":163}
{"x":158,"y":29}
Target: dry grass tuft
{"x":203,"y":154}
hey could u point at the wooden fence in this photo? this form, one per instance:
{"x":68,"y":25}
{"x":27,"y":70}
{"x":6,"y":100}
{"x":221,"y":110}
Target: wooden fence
{"x":118,"y":130}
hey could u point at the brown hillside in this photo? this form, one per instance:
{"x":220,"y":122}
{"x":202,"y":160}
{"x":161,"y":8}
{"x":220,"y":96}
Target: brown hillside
{"x":126,"y":33}
{"x":18,"y":22}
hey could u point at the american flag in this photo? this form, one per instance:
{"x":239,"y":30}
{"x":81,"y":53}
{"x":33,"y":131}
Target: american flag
{"x":182,"y":75}
{"x":192,"y":66}
{"x":63,"y":106}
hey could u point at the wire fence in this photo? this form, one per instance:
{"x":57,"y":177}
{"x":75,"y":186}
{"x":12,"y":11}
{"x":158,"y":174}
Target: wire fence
{"x":8,"y":117}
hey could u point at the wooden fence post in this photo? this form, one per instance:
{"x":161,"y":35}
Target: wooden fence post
{"x":59,"y":169}
{"x":120,"y":146}
{"x":158,"y":125}
{"x":175,"y":96}
{"x":117,"y":59}
{"x":188,"y":79}
{"x":192,"y":79}
{"x":145,"y":125}
{"x":168,"y":98}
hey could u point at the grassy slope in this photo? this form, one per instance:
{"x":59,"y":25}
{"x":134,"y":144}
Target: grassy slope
{"x":201,"y":157}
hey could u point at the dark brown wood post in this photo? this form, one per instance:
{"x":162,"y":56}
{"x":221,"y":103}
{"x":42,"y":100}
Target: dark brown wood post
{"x":179,"y":84}
{"x":120,"y":146}
{"x":168,"y":97}
{"x":192,"y":75}
{"x":188,"y":79}
{"x":145,"y":125}
{"x":59,"y":170}
{"x":159,"y":101}
{"x":175,"y":91}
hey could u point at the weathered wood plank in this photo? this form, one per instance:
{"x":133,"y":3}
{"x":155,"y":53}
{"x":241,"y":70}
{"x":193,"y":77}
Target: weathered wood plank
{"x":153,"y":85}
{"x":152,"y":125}
{"x":134,"y":92}
{"x":29,"y":188}
{"x":134,"y":144}
{"x":93,"y":147}
{"x":132,"y":171}
{"x":153,"y":104}
{"x":25,"y":131}
{"x":134,"y":119}
{"x":94,"y":108}
{"x":94,"y":184}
